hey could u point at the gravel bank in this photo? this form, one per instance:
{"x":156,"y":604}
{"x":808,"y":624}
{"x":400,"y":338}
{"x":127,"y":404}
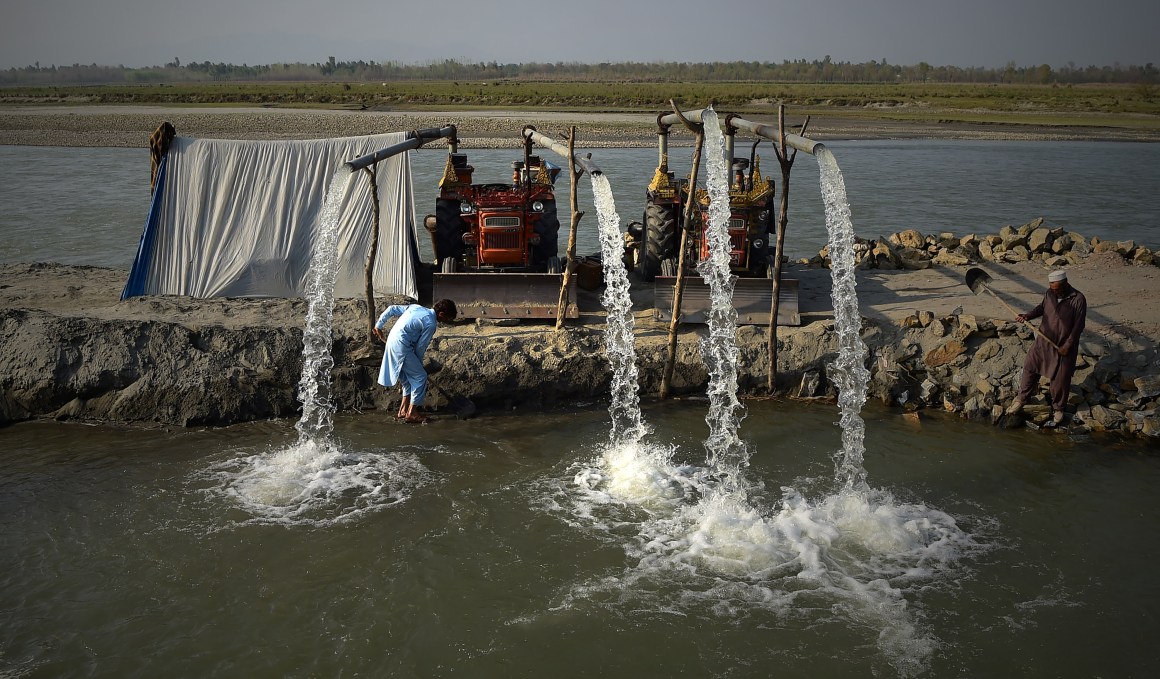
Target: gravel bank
{"x":130,"y":126}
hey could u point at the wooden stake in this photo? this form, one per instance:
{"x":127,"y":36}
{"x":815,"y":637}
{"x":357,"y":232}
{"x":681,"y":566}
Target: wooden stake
{"x":570,"y":265}
{"x":786,"y":163}
{"x":372,"y":310}
{"x":679,"y":288}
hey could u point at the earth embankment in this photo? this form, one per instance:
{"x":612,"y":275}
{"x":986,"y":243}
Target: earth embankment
{"x":70,"y":349}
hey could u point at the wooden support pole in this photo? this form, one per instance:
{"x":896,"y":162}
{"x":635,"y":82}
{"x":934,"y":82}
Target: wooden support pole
{"x":786,"y":163}
{"x":679,"y":287}
{"x":369,"y":271}
{"x":570,"y":266}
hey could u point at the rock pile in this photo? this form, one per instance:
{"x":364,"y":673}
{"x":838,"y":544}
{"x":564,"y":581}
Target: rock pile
{"x":972,"y":367}
{"x":1033,"y":241}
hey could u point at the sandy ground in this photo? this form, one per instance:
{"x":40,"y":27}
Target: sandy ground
{"x":130,"y":126}
{"x":1121,"y":297}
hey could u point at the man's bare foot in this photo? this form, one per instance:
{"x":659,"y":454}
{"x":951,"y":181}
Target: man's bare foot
{"x":416,"y":418}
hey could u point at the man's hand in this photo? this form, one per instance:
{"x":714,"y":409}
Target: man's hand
{"x":1022,"y":318}
{"x":1062,"y":351}
{"x":379,"y":334}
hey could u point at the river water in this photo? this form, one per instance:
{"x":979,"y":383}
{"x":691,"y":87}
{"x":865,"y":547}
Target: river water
{"x":523,"y":545}
{"x":124,"y":552}
{"x":88,"y":205}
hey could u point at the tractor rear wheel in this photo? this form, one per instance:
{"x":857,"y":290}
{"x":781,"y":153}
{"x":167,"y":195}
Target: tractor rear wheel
{"x":548,"y":229}
{"x":660,"y":239}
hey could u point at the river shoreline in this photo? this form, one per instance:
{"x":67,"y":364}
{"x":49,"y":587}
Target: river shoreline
{"x":71,"y":350}
{"x":130,"y":126}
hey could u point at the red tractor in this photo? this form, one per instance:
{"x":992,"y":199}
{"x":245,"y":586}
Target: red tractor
{"x":496,"y":227}
{"x":751,"y":222}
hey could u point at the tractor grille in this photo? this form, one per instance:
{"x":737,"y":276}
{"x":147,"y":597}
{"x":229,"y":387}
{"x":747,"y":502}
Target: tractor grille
{"x":735,"y":223}
{"x":736,"y":240}
{"x":502,"y":239}
{"x":501,"y":221}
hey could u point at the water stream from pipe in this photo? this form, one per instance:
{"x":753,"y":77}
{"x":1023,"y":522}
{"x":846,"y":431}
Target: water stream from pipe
{"x":317,"y":421}
{"x":849,"y":371}
{"x":727,"y":454}
{"x":629,"y":469}
{"x":619,"y":343}
{"x":314,"y":481}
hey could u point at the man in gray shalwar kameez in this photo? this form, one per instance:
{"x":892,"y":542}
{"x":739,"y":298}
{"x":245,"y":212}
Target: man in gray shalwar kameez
{"x":1064,"y":312}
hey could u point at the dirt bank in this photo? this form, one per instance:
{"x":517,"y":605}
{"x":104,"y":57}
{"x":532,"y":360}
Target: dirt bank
{"x":69,"y":349}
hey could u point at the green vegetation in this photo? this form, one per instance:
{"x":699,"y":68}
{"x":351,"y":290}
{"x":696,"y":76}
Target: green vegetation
{"x":1038,"y":95}
{"x":825,"y":71}
{"x":898,"y":101}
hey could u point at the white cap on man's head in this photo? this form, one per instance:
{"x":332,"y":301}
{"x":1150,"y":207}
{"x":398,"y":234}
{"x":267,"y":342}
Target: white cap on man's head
{"x":1056,"y":276}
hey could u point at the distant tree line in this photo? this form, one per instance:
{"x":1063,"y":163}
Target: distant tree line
{"x":796,"y":71}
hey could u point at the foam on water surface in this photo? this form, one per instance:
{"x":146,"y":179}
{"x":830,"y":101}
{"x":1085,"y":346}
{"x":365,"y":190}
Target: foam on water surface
{"x":318,"y":485}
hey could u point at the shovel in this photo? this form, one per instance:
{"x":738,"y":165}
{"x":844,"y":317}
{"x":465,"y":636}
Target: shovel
{"x":977,"y":280}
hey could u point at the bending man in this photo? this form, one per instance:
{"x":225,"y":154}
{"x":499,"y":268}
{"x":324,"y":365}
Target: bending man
{"x":1064,"y":312}
{"x":406,"y":344}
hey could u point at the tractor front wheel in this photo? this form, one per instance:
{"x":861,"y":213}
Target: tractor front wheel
{"x":548,"y":229}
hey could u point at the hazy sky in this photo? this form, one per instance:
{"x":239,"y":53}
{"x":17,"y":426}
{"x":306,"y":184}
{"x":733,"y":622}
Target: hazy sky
{"x":987,"y":33}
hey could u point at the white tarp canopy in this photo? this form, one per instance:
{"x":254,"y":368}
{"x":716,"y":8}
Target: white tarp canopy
{"x":239,"y":219}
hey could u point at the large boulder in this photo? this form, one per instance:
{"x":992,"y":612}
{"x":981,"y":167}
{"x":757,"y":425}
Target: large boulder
{"x":944,"y":354}
{"x":912,"y":238}
{"x":1039,"y":240}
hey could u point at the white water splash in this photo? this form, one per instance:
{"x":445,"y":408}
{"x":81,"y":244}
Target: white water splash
{"x":850,"y":560}
{"x":849,"y":370}
{"x":317,"y":485}
{"x":727,"y":453}
{"x":627,"y":426}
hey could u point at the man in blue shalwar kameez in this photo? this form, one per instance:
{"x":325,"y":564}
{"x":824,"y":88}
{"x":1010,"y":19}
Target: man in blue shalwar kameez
{"x":406,"y":344}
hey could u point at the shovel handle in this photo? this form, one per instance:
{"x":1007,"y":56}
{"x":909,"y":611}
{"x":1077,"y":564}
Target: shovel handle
{"x":1027,"y":323}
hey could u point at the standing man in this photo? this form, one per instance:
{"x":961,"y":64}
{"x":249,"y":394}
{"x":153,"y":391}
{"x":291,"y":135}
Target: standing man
{"x":406,"y":344}
{"x":1064,"y":312}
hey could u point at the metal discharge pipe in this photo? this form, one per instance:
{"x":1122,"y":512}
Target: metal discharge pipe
{"x":766,"y":131}
{"x":770,"y":132}
{"x":414,"y":140}
{"x":547,"y":142}
{"x":674,"y":119}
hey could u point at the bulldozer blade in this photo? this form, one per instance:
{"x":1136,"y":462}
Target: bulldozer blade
{"x":977,"y":279}
{"x":752,"y":298}
{"x":505,"y":295}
